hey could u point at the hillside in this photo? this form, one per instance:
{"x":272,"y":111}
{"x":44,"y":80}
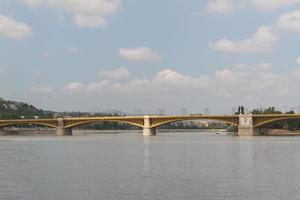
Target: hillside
{"x":15,"y":110}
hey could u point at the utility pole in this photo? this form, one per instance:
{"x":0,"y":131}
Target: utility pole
{"x":233,"y":110}
{"x":183,"y":111}
{"x":285,"y":109}
{"x":206,"y":111}
{"x":138,"y":112}
{"x":161,"y":111}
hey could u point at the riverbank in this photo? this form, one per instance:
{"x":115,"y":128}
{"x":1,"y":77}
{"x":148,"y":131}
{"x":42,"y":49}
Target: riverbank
{"x":281,"y":132}
{"x":24,"y":132}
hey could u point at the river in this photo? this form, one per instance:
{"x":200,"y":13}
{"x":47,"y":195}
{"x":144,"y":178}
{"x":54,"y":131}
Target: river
{"x":171,"y":166}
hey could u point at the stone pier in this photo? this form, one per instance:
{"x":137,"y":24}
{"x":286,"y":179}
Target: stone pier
{"x":246,"y":127}
{"x":60,"y":130}
{"x":147,"y":130}
{"x":63,"y":131}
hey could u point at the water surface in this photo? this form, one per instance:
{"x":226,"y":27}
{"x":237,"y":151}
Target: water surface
{"x":168,"y":166}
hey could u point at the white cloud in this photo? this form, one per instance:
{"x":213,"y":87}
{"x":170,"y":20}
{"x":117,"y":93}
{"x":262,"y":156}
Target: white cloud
{"x":220,"y":6}
{"x":273,"y":4}
{"x":298,"y":60}
{"x":116,"y":74}
{"x":228,"y":6}
{"x":262,"y":41}
{"x":10,"y":28}
{"x":72,"y":50}
{"x":45,"y":54}
{"x":74,"y":87}
{"x":90,"y":20}
{"x":140,"y":53}
{"x":41,"y":90}
{"x":252,"y":86}
{"x":2,"y":69}
{"x":33,"y":3}
{"x":290,"y":21}
{"x":238,"y":80}
{"x":249,"y":82}
{"x":102,"y":86}
{"x":91,"y":13}
{"x":37,"y":72}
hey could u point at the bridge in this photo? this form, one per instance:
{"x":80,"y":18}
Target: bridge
{"x":248,"y":124}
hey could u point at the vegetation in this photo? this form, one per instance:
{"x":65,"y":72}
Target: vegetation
{"x":291,"y":124}
{"x":269,"y":110}
{"x":194,"y":125}
{"x":16,"y":110}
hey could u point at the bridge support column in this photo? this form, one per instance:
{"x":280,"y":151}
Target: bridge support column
{"x":63,"y":131}
{"x":243,"y":131}
{"x":246,"y":126}
{"x":147,"y":130}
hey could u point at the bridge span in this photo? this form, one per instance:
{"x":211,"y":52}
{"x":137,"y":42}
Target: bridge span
{"x":248,"y":124}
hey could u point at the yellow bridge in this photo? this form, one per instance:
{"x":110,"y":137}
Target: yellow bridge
{"x":247,"y":124}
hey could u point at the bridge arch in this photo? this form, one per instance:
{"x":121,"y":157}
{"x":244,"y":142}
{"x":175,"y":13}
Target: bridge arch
{"x":27,"y":123}
{"x":155,"y":125}
{"x":72,"y":125}
{"x":270,"y":121}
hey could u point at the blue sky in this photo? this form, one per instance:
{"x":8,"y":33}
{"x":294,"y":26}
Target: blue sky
{"x":99,"y":55}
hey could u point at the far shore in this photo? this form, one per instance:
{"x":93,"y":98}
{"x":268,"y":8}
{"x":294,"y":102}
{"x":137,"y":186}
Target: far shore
{"x":281,"y":132}
{"x":49,"y":131}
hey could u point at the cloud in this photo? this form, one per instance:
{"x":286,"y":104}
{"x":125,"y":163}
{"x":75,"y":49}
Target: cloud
{"x":262,"y":41}
{"x":10,"y":28}
{"x":72,"y":50}
{"x":236,"y":81}
{"x":90,"y":21}
{"x":116,"y":74}
{"x":138,"y":54}
{"x":273,"y":4}
{"x":33,"y":3}
{"x":74,"y":87}
{"x":91,"y":13}
{"x":290,"y":21}
{"x":298,"y":60}
{"x":249,"y":85}
{"x":2,"y":69}
{"x":45,"y":54}
{"x":220,"y":6}
{"x":229,"y":6}
{"x":41,"y":90}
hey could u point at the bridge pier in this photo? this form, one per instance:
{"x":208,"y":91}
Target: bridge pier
{"x":246,"y":127}
{"x":63,"y":131}
{"x":147,"y":130}
{"x":243,"y":131}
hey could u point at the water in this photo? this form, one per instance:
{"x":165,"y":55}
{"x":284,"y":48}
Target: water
{"x":129,"y":166}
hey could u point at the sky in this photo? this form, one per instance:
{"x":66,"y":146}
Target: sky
{"x":138,"y":55}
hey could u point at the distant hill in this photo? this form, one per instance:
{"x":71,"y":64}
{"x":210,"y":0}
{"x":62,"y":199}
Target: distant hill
{"x":15,"y":110}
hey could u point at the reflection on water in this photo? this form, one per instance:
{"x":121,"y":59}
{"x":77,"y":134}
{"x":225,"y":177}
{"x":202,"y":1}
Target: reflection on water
{"x":130,"y":166}
{"x":146,"y":172}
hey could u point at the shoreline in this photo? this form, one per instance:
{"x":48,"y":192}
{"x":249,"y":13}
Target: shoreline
{"x":281,"y":132}
{"x":25,"y":132}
